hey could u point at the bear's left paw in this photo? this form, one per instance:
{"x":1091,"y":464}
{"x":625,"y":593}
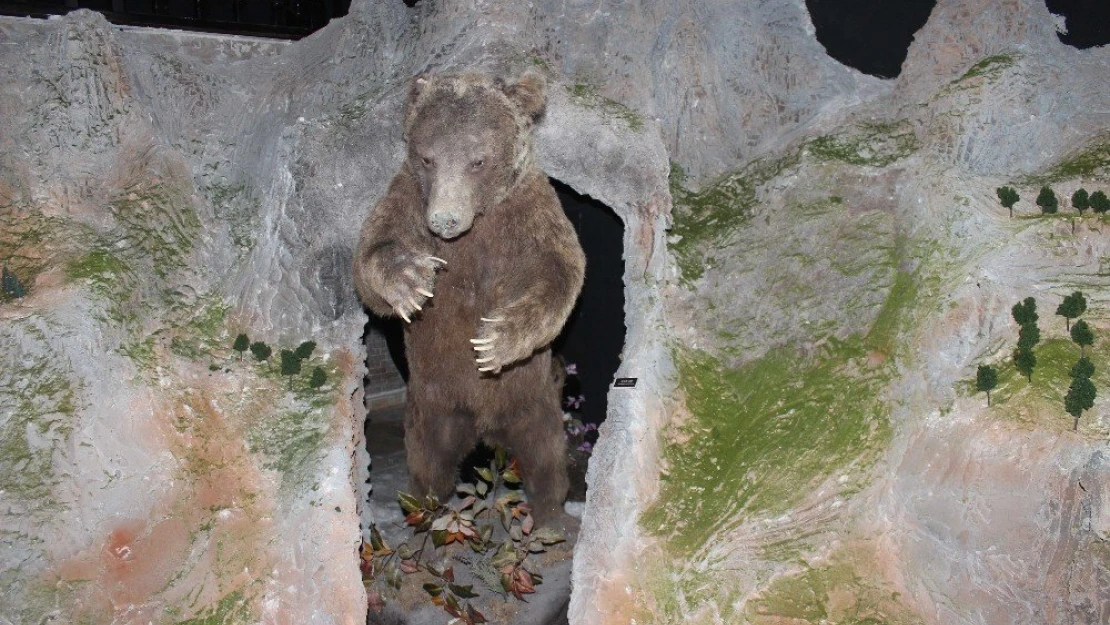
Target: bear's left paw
{"x":497,"y":345}
{"x":486,"y":346}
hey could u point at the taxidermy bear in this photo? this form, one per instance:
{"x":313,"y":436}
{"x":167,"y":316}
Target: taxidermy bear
{"x":471,"y":248}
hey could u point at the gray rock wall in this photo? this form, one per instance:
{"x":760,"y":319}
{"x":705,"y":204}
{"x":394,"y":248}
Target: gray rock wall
{"x":802,"y":446}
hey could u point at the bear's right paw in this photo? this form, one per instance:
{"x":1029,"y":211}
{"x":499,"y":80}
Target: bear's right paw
{"x":408,"y":287}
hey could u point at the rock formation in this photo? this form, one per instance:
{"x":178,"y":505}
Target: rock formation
{"x":816,"y":263}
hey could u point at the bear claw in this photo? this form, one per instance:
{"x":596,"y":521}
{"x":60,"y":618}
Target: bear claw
{"x":438,"y":260}
{"x":423,"y":292}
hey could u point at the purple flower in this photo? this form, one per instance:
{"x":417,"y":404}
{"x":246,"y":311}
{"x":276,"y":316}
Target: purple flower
{"x":586,"y":446}
{"x":574,"y":402}
{"x":591,"y":427}
{"x":572,"y":368}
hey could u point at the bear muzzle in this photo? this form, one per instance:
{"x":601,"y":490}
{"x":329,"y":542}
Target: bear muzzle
{"x":450,"y":212}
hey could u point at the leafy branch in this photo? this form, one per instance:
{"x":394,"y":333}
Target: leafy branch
{"x":491,"y":521}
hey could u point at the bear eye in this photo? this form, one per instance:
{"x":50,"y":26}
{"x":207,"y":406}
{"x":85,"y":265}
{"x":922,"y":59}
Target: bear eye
{"x":478,"y":163}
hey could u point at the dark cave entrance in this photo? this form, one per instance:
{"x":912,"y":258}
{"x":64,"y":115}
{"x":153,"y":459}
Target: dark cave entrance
{"x":1087,"y":22}
{"x":872,"y":36}
{"x":593,"y":338}
{"x":590,"y":346}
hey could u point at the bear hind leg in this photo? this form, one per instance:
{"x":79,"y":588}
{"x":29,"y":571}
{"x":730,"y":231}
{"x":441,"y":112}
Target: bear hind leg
{"x":537,"y":440}
{"x":435,"y":443}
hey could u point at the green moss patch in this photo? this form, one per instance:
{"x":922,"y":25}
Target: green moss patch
{"x":293,"y":443}
{"x":832,"y":595}
{"x":38,"y":403}
{"x":586,"y":95}
{"x":704,"y":220}
{"x":1091,"y":162}
{"x":989,"y":68}
{"x":234,"y":609}
{"x":31,"y":242}
{"x":872,"y":144}
{"x":202,"y":332}
{"x":762,"y":436}
{"x":159,"y":225}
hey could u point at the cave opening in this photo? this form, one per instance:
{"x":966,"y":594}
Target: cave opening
{"x":589,"y":348}
{"x":1087,"y":22}
{"x":872,"y":36}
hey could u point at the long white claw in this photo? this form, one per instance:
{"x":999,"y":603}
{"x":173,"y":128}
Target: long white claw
{"x":482,"y":348}
{"x":483,"y":360}
{"x":438,"y":260}
{"x":414,"y":304}
{"x":485,"y":368}
{"x":404,"y":316}
{"x":423,"y":292}
{"x":493,"y":319}
{"x":481,"y":341}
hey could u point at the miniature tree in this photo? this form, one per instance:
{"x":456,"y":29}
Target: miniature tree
{"x":1083,"y":336}
{"x":10,"y":285}
{"x":1028,"y":336}
{"x":290,"y":365}
{"x":1072,"y":307}
{"x":1008,"y":197}
{"x":1025,"y":361}
{"x":261,"y":351}
{"x":1099,"y":202}
{"x":986,"y":379}
{"x":1025,"y":312}
{"x":241,"y":345}
{"x":1047,"y":200}
{"x":318,"y":378}
{"x":1083,"y":368}
{"x":1080,"y":397}
{"x":1080,"y":200}
{"x":304,"y":350}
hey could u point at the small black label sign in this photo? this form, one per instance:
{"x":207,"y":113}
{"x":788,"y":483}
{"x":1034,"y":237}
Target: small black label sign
{"x":624,"y":382}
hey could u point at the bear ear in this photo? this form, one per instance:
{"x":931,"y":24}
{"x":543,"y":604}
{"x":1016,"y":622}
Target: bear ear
{"x":416,"y":87}
{"x":529,"y":94}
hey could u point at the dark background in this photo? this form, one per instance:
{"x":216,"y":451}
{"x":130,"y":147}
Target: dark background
{"x":873,"y":36}
{"x":285,"y":19}
{"x":594,"y":335}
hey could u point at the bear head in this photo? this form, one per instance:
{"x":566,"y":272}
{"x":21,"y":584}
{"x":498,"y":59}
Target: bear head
{"x":469,"y":143}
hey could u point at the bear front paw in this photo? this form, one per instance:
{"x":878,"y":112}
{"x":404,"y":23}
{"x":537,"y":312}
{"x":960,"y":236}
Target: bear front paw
{"x":497,"y":345}
{"x":410,"y":284}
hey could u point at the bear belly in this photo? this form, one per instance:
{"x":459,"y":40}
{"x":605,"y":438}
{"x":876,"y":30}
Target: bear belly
{"x":442,"y":369}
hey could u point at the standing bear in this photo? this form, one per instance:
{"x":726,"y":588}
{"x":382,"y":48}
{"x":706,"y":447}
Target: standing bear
{"x":471,"y":247}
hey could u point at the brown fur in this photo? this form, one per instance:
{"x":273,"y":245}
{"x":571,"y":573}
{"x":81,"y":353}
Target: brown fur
{"x":517,"y":261}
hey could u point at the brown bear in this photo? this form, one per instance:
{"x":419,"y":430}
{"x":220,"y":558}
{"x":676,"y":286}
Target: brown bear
{"x":470,"y":246}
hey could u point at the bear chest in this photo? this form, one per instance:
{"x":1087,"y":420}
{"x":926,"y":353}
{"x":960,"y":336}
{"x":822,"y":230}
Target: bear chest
{"x":469,"y":282}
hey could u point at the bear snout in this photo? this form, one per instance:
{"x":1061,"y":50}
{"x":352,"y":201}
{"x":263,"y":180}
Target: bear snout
{"x":447,"y":224}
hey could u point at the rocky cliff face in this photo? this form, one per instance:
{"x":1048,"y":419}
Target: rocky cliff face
{"x":153,"y":209}
{"x":810,"y":288}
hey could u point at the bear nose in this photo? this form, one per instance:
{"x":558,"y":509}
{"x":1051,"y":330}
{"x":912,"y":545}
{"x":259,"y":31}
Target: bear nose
{"x":444,"y":222}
